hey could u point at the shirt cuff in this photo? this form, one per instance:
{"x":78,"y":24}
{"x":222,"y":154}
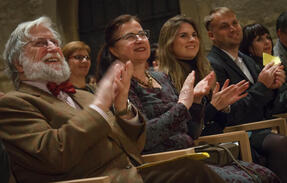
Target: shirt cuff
{"x":100,"y":111}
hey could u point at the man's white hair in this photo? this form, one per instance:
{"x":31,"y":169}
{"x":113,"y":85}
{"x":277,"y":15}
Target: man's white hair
{"x":18,"y":38}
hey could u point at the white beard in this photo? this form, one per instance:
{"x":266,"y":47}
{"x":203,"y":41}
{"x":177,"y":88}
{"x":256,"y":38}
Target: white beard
{"x":44,"y":72}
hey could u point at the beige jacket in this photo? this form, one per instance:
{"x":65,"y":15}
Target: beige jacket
{"x":48,"y":140}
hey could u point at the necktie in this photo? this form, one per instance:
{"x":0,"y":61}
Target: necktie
{"x":65,"y":87}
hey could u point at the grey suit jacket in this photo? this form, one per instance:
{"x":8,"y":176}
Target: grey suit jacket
{"x":49,"y":141}
{"x":281,"y":51}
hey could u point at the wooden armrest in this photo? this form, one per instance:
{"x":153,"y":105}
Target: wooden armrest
{"x":279,"y":124}
{"x":238,"y":136}
{"x":282,"y":115}
{"x":148,"y":158}
{"x":104,"y":179}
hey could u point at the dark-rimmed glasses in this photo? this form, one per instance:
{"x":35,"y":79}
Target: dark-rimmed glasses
{"x":144,"y":34}
{"x":81,"y":57}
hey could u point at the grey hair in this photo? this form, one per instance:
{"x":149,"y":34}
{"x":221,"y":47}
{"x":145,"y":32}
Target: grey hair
{"x":18,"y":39}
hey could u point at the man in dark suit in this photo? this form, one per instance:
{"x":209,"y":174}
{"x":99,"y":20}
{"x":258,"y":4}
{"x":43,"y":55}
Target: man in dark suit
{"x":54,"y":132}
{"x":225,"y":32}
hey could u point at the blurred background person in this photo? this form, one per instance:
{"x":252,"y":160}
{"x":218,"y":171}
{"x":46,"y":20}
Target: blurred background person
{"x":152,"y":61}
{"x":256,"y":40}
{"x":77,"y":54}
{"x":280,"y":48}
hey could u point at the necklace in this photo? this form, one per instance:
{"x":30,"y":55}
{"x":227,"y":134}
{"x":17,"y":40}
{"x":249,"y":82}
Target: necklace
{"x":149,"y":81}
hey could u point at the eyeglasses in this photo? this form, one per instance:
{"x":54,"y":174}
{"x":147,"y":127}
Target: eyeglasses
{"x":81,"y":57}
{"x":144,"y":34}
{"x":44,"y":42}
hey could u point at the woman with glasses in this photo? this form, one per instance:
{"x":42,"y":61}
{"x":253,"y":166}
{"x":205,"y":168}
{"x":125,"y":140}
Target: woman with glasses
{"x":77,"y":54}
{"x":173,"y":119}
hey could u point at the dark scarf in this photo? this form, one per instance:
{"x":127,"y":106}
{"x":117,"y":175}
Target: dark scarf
{"x":190,"y":65}
{"x":258,"y":61}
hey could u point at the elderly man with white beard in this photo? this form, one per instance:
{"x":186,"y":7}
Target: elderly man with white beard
{"x":53,"y":132}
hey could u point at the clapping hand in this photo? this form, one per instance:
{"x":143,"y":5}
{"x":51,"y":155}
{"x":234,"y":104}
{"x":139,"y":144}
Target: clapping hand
{"x":228,"y":94}
{"x":203,"y":87}
{"x":279,"y":77}
{"x":186,"y":93}
{"x":114,"y":86}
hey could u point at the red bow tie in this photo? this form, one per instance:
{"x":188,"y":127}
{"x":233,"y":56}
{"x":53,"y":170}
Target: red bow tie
{"x":65,"y":87}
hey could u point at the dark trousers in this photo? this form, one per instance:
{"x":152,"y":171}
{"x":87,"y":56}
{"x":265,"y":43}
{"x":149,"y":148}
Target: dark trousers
{"x":181,"y":170}
{"x":270,"y":150}
{"x":4,"y":165}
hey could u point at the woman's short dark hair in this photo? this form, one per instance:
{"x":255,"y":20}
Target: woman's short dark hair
{"x":250,"y":32}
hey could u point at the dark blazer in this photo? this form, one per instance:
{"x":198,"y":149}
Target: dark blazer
{"x":251,"y":108}
{"x":48,"y":140}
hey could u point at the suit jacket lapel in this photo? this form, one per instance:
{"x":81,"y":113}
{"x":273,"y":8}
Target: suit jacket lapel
{"x":225,"y":58}
{"x":251,"y":65}
{"x":62,"y":106}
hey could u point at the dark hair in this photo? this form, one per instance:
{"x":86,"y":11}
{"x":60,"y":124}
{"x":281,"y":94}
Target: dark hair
{"x":105,"y":58}
{"x":153,"y":54}
{"x":281,"y":22}
{"x":250,"y":32}
{"x":113,"y":27}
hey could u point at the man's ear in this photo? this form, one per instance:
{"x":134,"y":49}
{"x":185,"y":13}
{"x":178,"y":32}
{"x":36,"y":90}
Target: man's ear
{"x":18,"y":66}
{"x":210,"y":35}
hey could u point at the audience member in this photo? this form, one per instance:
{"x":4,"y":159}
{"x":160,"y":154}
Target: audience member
{"x":170,"y":125}
{"x":226,"y":34}
{"x":280,"y":48}
{"x":73,"y":134}
{"x":180,"y":53}
{"x":152,"y":61}
{"x":256,"y":40}
{"x":1,"y":94}
{"x":77,"y":54}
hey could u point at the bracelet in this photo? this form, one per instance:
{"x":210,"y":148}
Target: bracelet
{"x":226,"y":109}
{"x":125,"y":111}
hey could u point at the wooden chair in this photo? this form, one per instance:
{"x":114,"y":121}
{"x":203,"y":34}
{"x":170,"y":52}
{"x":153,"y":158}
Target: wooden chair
{"x":104,"y":179}
{"x":238,"y":136}
{"x":278,"y":125}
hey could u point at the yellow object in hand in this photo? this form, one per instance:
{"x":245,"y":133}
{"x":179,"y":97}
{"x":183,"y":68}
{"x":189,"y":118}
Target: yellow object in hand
{"x":267,"y":58}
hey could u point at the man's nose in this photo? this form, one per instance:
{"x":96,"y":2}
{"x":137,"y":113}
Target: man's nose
{"x":51,"y":45}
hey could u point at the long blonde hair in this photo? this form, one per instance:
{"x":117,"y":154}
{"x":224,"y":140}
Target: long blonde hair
{"x":169,"y":64}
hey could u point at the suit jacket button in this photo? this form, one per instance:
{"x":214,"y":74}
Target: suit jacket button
{"x":128,"y":166}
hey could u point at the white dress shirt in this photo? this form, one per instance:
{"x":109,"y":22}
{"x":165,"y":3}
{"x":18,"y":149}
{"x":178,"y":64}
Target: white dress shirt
{"x":239,"y":62}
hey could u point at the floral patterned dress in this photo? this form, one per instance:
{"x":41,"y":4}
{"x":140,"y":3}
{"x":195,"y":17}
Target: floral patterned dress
{"x":171,"y":126}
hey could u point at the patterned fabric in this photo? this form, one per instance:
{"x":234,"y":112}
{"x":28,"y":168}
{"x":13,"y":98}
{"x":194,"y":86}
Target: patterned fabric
{"x":232,"y":173}
{"x":168,"y":125}
{"x":167,"y":120}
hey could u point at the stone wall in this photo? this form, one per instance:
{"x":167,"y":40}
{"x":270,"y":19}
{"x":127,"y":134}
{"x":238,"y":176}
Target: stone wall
{"x":64,"y":13}
{"x":248,"y":11}
{"x":14,"y":12}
